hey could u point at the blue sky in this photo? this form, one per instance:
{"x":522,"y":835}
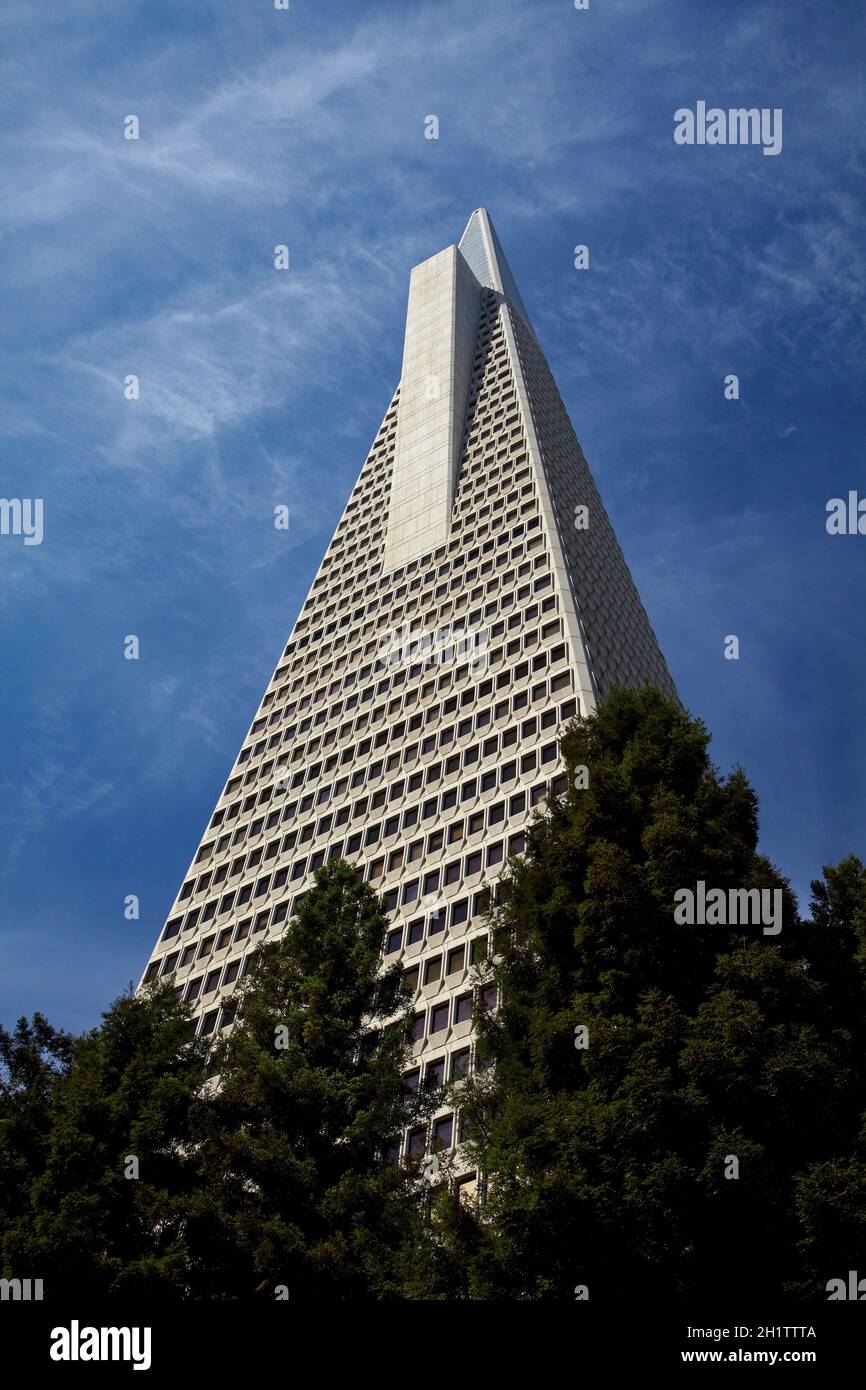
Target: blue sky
{"x":306,"y":128}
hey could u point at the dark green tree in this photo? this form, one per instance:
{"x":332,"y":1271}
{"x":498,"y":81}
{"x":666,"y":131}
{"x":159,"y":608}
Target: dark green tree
{"x":132,"y":1161}
{"x":33,"y":1061}
{"x":296,"y":1190}
{"x":135,"y":1160}
{"x":101,"y":1209}
{"x":830,"y":1189}
{"x":608,"y":1166}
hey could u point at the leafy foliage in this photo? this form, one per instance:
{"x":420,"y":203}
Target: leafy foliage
{"x":267,"y":1163}
{"x":606,"y":1166}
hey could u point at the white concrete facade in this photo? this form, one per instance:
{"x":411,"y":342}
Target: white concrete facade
{"x":441,"y":323}
{"x":425,"y":769}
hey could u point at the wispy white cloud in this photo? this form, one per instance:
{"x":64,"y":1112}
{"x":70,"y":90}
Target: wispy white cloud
{"x":257,"y":387}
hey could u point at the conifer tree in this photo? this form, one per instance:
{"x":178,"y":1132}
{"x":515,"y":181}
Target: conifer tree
{"x":666,"y":1109}
{"x":33,"y":1060}
{"x":297,"y":1197}
{"x":134,"y":1161}
{"x":101,"y":1206}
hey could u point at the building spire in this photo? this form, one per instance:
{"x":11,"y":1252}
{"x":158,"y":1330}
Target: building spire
{"x":441,"y":320}
{"x":482,"y":250}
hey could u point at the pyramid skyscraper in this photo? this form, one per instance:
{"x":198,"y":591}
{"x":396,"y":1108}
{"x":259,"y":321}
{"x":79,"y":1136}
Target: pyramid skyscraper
{"x":473,"y":599}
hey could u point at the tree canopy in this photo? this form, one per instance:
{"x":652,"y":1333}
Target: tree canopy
{"x":656,"y":1109}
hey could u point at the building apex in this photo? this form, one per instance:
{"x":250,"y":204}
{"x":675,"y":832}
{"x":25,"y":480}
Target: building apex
{"x":483,"y":253}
